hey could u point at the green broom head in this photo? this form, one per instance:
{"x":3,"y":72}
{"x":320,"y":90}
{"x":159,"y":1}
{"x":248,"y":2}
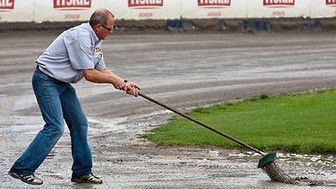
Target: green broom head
{"x":267,"y":159}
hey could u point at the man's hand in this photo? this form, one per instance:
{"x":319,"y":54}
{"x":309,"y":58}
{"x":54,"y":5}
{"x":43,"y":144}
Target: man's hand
{"x":119,"y":84}
{"x":106,"y":76}
{"x":132,"y":88}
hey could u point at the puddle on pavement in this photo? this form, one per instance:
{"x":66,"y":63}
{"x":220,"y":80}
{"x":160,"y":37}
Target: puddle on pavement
{"x":209,"y":161}
{"x":124,"y":160}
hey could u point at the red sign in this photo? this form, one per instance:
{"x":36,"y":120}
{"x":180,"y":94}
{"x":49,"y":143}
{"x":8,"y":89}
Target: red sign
{"x":214,"y":3}
{"x":279,"y":3}
{"x":331,"y":2}
{"x":72,"y":4}
{"x":145,"y":3}
{"x":6,"y":5}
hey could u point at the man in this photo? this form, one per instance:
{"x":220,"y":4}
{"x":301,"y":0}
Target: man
{"x":75,"y":54}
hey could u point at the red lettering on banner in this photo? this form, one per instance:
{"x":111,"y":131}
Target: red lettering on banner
{"x":71,"y":16}
{"x":145,"y":15}
{"x":331,"y":2}
{"x":214,"y":3}
{"x":6,"y":5}
{"x":279,"y":3}
{"x":279,"y":13}
{"x":145,"y":3}
{"x":214,"y":13}
{"x":72,"y":4}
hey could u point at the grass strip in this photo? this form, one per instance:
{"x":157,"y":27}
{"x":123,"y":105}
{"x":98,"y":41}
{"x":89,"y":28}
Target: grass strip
{"x":297,"y":123}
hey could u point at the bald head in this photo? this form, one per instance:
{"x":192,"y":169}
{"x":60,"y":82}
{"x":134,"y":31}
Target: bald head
{"x":100,"y":16}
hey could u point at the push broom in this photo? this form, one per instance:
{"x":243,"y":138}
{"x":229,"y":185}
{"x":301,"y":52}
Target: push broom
{"x":266,"y":163}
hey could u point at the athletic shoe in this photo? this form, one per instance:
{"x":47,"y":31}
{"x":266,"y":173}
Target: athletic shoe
{"x":29,"y":179}
{"x":89,"y":178}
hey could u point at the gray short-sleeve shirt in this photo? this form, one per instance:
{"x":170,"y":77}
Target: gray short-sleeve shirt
{"x":74,"y":50}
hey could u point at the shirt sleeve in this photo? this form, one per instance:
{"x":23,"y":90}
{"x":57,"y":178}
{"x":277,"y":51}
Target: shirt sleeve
{"x":101,"y":64}
{"x":80,"y":52}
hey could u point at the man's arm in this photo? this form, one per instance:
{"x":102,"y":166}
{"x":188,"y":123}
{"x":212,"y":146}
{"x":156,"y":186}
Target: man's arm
{"x":106,"y":76}
{"x":96,"y":76}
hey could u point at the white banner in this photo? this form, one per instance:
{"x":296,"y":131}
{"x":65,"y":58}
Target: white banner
{"x":213,"y":8}
{"x":80,"y":10}
{"x":278,"y":8}
{"x":16,"y":10}
{"x":145,"y":9}
{"x":323,"y":8}
{"x":66,"y":10}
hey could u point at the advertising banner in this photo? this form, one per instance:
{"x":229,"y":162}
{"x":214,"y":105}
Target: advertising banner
{"x":145,"y":9}
{"x":213,"y":8}
{"x":278,"y":8}
{"x":66,"y":10}
{"x":323,"y":8}
{"x":80,"y":10}
{"x":16,"y":10}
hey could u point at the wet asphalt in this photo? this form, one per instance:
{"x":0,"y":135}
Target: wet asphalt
{"x":183,"y":70}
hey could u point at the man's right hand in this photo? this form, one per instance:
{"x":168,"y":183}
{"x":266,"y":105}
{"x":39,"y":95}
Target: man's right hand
{"x":119,"y":85}
{"x":132,"y":88}
{"x":106,"y":76}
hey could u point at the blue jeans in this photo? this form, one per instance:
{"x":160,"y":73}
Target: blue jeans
{"x":58,"y":102}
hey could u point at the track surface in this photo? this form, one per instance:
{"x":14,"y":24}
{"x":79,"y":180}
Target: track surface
{"x":182,"y":70}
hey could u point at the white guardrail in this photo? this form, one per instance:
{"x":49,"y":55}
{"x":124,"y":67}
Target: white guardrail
{"x":80,"y":10}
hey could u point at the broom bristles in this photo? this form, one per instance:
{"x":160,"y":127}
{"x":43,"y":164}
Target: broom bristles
{"x":276,"y":174}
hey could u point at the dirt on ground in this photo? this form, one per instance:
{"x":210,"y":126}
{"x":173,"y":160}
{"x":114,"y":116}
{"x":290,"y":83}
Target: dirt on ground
{"x":183,"y":70}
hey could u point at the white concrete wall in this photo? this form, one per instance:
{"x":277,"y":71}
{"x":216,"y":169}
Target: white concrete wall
{"x":80,"y":10}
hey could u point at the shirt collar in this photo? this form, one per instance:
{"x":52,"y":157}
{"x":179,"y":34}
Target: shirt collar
{"x":93,"y":34}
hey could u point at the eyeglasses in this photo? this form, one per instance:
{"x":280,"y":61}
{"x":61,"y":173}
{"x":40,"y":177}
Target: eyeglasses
{"x":109,"y":29}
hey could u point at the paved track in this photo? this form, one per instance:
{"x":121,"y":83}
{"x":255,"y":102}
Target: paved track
{"x":182,"y":70}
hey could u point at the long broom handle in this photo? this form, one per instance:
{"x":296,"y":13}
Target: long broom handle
{"x":202,"y":124}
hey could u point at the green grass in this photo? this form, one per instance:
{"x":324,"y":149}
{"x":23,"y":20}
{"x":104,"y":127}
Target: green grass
{"x":298,"y":123}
